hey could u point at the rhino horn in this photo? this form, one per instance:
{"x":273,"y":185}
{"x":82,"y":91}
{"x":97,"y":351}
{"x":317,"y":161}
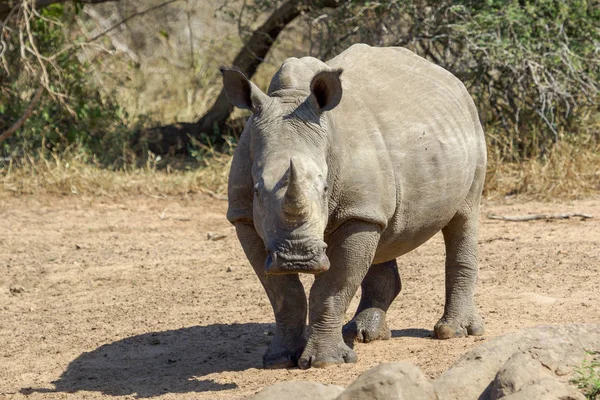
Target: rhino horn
{"x":295,"y":203}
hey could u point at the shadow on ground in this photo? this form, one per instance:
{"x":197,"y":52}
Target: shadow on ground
{"x":412,"y":332}
{"x":172,"y":361}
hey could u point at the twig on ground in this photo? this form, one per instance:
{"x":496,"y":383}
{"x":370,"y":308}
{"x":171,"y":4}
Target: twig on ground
{"x":532,"y":217}
{"x":507,"y":239}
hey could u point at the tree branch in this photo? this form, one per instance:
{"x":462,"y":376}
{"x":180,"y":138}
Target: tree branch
{"x":254,"y":52}
{"x":36,"y":97}
{"x":175,"y":137}
{"x":129,"y":17}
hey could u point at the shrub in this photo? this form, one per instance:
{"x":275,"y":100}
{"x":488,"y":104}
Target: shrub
{"x":533,"y":67}
{"x":72,"y":111}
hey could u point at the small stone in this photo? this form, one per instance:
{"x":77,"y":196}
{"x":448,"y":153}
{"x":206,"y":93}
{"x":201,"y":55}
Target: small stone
{"x":215,"y":236}
{"x":16,"y":289}
{"x":229,"y":269}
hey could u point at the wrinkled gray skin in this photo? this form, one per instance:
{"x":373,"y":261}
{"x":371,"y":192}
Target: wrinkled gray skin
{"x":337,"y":174}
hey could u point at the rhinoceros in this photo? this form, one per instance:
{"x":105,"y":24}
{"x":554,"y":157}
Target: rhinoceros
{"x":342,"y":167}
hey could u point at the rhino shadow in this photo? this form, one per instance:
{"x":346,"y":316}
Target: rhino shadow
{"x":412,"y":332}
{"x":171,"y":361}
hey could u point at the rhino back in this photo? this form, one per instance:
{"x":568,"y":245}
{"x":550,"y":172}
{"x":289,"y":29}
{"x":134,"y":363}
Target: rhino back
{"x":409,"y":147}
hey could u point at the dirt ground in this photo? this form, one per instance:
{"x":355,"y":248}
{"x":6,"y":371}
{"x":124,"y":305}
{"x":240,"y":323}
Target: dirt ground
{"x":130,"y":299}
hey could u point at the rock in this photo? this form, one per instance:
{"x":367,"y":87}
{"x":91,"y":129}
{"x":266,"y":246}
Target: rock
{"x":528,"y":364}
{"x":546,"y":390}
{"x":215,"y":236}
{"x":16,"y":289}
{"x":298,"y":391}
{"x":526,"y":376}
{"x":390,"y":381}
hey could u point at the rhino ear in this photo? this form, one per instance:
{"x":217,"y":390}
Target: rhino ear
{"x":241,"y":92}
{"x":326,"y":89}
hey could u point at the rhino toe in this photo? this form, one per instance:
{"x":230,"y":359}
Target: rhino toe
{"x":367,"y":326}
{"x":447,"y":329}
{"x":340,"y":354}
{"x":284,"y":359}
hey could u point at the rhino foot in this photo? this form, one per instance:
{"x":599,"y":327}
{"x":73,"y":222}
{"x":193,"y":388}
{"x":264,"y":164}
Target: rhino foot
{"x":368,"y":325}
{"x":323,"y":356}
{"x":283,"y":356}
{"x":447,"y":328}
{"x":281,"y":359}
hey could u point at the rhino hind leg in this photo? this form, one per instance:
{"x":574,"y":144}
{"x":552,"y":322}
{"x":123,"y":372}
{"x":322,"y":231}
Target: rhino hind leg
{"x":379,"y":289}
{"x":460,"y":313}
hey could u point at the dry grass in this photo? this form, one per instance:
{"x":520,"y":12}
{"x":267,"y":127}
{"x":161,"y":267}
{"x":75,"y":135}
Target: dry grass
{"x":570,"y":170}
{"x":71,"y":174}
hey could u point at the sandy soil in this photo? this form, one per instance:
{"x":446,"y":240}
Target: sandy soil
{"x":128,"y":298}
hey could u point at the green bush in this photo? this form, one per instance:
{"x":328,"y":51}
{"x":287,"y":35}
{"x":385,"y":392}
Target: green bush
{"x":76,"y":114}
{"x":533,"y":67}
{"x":587,"y":376}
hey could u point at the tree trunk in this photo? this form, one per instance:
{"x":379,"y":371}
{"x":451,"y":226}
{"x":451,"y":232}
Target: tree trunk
{"x":248,"y":60}
{"x":176,"y":137}
{"x":161,"y":140}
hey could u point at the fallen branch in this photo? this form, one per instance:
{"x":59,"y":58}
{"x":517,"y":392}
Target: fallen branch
{"x":532,"y":217}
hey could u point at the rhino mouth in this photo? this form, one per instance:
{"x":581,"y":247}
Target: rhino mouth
{"x":297,"y":257}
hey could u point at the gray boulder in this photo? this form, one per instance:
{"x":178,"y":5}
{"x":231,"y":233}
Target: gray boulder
{"x":529,"y":364}
{"x":298,"y":391}
{"x":529,"y":375}
{"x":391,"y":381}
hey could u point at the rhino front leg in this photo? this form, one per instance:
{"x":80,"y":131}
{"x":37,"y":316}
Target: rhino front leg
{"x":460,"y":313}
{"x":351,"y":251}
{"x":287,"y":298}
{"x":379,"y":289}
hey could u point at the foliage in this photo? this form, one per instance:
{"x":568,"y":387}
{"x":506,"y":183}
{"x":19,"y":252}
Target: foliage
{"x":533,"y":67}
{"x":72,"y":111}
{"x":588,"y":377}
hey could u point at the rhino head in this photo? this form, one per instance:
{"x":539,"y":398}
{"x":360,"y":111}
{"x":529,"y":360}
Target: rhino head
{"x":288,"y":134}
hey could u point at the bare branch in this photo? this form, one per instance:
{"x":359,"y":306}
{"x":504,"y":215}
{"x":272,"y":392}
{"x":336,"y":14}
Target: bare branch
{"x":36,"y":98}
{"x":136,"y":14}
{"x":191,"y":33}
